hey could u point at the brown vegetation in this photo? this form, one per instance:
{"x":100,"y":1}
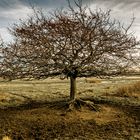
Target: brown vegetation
{"x":93,"y":80}
{"x":46,"y":119}
{"x":132,"y":90}
{"x":45,"y":122}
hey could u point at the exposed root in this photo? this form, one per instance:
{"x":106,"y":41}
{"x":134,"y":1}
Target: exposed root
{"x":78,"y":103}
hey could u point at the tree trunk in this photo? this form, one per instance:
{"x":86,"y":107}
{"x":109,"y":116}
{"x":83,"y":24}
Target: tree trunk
{"x":72,"y":87}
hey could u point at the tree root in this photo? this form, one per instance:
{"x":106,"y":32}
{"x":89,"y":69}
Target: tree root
{"x":78,"y":103}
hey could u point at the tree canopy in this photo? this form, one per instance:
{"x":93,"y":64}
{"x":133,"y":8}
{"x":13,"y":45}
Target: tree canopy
{"x":75,"y":42}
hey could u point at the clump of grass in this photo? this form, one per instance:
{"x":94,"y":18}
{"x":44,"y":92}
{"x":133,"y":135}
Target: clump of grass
{"x":93,"y":80}
{"x":129,"y":90}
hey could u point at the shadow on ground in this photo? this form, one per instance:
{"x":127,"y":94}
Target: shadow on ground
{"x":49,"y":121}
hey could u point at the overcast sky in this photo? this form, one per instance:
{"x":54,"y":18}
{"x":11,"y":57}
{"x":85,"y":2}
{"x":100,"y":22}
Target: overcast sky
{"x":13,"y":10}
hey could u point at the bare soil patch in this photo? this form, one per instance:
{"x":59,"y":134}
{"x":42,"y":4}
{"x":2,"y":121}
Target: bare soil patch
{"x":43,"y":122}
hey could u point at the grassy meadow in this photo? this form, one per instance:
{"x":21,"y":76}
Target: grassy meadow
{"x":118,"y":119}
{"x":19,"y":91}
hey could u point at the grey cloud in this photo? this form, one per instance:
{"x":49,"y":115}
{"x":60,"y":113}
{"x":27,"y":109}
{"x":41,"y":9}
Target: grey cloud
{"x":12,"y":10}
{"x":118,"y":3}
{"x":111,"y":3}
{"x":6,"y":4}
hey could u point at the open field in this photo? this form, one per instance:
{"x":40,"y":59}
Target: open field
{"x":27,"y":111}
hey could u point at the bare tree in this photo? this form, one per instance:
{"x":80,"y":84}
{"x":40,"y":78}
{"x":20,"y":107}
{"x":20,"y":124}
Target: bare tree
{"x":76,"y":42}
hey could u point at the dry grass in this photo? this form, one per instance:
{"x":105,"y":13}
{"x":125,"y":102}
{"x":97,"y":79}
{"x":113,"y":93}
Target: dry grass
{"x":6,"y":138}
{"x":50,"y":123}
{"x":132,"y":90}
{"x":18,"y":91}
{"x":43,"y":121}
{"x":93,"y":80}
{"x":105,"y":115}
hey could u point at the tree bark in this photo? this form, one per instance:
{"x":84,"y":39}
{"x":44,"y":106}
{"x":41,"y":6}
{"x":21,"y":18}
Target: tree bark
{"x":72,"y":87}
